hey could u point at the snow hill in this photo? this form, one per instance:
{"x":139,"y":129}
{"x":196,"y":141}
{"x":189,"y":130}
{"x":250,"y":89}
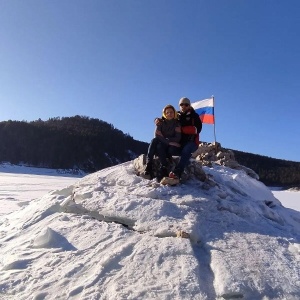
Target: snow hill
{"x":114,"y":235}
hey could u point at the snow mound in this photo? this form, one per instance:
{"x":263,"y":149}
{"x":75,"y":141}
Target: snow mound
{"x":114,"y":235}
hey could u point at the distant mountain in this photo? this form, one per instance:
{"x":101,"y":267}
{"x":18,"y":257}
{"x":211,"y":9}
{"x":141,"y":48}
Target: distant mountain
{"x":90,"y":144}
{"x":77,"y":142}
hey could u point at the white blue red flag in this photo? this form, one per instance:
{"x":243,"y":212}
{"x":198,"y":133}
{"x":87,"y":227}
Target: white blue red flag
{"x":205,"y":110}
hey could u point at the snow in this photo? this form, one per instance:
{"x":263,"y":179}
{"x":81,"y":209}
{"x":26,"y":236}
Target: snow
{"x":113,"y":235}
{"x":289,"y":199}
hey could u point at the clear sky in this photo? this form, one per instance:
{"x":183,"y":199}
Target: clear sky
{"x":122,"y":61}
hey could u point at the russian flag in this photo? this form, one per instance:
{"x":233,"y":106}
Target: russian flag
{"x":205,"y":110}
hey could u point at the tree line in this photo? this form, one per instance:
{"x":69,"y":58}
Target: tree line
{"x":271,"y":171}
{"x":90,"y":145}
{"x":77,"y":142}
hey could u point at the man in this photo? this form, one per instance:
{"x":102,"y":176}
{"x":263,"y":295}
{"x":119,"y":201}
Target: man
{"x":191,"y":126}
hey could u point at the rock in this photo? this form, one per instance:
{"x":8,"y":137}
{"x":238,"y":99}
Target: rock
{"x":205,"y":155}
{"x":140,"y":164}
{"x":208,"y":153}
{"x":193,"y":170}
{"x":182,"y":234}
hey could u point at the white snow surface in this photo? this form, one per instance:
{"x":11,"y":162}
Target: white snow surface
{"x":112,"y":235}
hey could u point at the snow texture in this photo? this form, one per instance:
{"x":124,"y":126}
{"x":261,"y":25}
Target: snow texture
{"x":114,"y":235}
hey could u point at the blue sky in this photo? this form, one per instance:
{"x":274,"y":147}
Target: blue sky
{"x":122,"y":61}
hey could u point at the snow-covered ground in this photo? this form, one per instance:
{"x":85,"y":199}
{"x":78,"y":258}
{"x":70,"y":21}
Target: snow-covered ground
{"x":113,"y":235}
{"x":290,"y":199}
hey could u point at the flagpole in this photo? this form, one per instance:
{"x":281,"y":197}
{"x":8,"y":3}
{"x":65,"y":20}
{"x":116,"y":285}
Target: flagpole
{"x":214,"y":124}
{"x":214,"y":119}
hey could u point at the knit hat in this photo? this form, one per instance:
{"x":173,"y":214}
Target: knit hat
{"x":172,"y":107}
{"x":185,"y":100}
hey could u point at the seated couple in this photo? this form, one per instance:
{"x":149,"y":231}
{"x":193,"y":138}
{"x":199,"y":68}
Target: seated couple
{"x":176,"y":134}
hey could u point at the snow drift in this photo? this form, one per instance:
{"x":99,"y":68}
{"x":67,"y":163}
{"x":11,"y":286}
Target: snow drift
{"x":114,"y":235}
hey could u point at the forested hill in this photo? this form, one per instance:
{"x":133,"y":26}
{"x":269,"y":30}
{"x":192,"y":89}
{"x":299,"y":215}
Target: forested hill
{"x":88,"y":144}
{"x":69,"y":143}
{"x":271,"y":171}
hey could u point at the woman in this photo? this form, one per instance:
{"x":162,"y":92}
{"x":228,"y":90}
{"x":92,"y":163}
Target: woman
{"x":165,"y":143}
